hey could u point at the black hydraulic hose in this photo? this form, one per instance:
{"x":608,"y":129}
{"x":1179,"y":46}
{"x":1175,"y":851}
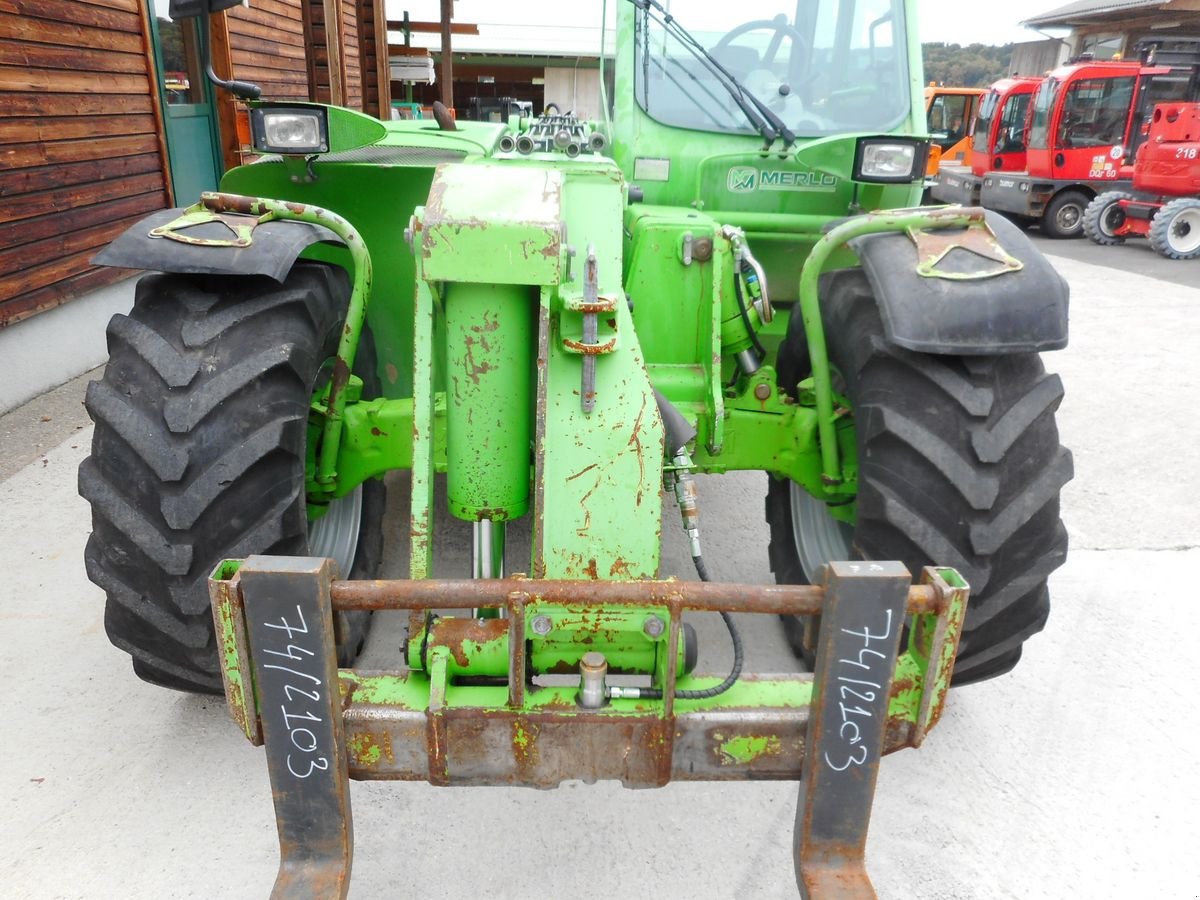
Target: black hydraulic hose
{"x":741,"y":301}
{"x":735,"y":670}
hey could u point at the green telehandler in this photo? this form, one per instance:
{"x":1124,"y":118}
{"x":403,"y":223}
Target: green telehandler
{"x":566,"y":320}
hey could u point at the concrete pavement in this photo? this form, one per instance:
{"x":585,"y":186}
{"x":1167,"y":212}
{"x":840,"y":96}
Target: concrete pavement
{"x":1076,"y":776}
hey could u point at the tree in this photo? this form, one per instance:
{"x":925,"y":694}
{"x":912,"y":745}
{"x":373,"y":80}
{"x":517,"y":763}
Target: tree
{"x":975,"y":65}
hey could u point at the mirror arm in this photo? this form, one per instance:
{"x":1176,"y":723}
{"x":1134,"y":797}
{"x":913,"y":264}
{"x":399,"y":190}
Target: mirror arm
{"x":243,"y":90}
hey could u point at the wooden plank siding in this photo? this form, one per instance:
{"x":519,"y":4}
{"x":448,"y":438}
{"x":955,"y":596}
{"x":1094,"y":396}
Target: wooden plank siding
{"x":266,"y":47}
{"x":351,"y":54}
{"x":82,"y":142}
{"x":376,"y":77}
{"x":343,"y":38}
{"x":82,"y":153}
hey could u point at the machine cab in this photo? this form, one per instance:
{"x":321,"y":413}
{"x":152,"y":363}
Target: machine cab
{"x":828,"y":72}
{"x":998,"y":141}
{"x":1084,"y":125}
{"x":950,"y":115}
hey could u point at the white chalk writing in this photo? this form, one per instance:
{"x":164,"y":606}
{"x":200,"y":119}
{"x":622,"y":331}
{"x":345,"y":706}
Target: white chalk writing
{"x":296,"y":711}
{"x":851,"y":675}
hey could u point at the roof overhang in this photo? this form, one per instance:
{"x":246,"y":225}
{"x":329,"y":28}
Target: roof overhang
{"x":1096,"y":12}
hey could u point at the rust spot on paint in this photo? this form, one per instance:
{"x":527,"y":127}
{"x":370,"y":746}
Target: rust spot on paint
{"x":393,"y":374}
{"x":591,"y":570}
{"x":377,"y":432}
{"x":620,"y":569}
{"x":488,"y":324}
{"x":582,"y":471}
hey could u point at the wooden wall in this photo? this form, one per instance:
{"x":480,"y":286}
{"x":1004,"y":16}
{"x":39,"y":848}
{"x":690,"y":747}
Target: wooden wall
{"x":266,"y":42}
{"x":343,"y":64}
{"x":81,"y":148}
{"x":352,"y":53}
{"x":376,"y":73}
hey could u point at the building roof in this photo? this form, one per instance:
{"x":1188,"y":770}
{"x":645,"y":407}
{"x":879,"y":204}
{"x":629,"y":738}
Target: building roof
{"x":1086,"y":12}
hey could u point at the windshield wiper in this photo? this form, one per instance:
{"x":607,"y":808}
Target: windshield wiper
{"x":755,"y":110}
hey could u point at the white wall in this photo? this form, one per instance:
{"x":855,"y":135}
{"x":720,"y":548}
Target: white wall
{"x":575,"y":89}
{"x":53,"y":347}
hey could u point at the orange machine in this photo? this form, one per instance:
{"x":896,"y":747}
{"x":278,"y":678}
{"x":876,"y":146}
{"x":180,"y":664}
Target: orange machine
{"x":950,"y":116}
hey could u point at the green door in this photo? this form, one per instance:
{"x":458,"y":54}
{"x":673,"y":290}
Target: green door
{"x":189,"y":113}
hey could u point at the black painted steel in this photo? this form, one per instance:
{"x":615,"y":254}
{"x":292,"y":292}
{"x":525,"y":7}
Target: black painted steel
{"x":859,"y":641}
{"x":289,"y":619}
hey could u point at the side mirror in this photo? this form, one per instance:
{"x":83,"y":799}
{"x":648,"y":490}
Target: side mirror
{"x":186,"y":9}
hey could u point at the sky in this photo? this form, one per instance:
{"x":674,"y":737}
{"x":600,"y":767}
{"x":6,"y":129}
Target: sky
{"x":950,"y":21}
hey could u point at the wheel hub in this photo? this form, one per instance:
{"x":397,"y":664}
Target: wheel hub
{"x":1185,"y":232}
{"x":819,"y":537}
{"x":335,"y":534}
{"x":1068,"y":217}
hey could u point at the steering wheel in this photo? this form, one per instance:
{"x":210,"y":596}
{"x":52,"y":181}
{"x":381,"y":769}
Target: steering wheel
{"x":782,"y":29}
{"x":1076,"y":133}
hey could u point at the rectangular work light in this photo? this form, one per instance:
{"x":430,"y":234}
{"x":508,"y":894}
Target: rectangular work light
{"x":291,"y":130}
{"x":889,"y":160}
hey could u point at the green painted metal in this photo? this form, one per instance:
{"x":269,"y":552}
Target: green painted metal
{"x":597,"y":477}
{"x":377,"y":438}
{"x":490,"y":333}
{"x":494,"y":224}
{"x":555,"y":645}
{"x":479,"y":217}
{"x":525,"y":312}
{"x":921,"y":682}
{"x":423,"y":428}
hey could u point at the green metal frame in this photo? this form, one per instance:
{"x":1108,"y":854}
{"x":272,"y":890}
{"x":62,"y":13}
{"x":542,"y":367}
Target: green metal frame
{"x":446,"y":663}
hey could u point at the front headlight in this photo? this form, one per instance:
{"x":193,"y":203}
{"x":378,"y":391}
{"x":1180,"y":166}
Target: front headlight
{"x":890,"y":160}
{"x":290,"y":130}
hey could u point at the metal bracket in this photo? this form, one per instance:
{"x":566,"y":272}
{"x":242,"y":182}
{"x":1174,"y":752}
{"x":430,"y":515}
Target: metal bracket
{"x":933,"y":247}
{"x":589,"y":347}
{"x":241,"y":226}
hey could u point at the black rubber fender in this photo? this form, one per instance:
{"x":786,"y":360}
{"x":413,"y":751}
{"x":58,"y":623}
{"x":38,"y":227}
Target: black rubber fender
{"x":1015,"y":312}
{"x":273,"y":250}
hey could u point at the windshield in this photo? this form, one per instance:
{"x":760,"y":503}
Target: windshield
{"x":823,"y":67}
{"x":1094,"y":112}
{"x":1043,"y":103}
{"x":1010,"y":136}
{"x":983,"y":125}
{"x":948,"y":118}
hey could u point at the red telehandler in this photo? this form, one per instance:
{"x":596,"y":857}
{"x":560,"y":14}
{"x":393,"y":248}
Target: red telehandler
{"x":1165,"y":203}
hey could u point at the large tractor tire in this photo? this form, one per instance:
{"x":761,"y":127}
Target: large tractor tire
{"x":1063,"y":217}
{"x":959,"y":465}
{"x":1175,"y":231}
{"x":1104,"y":217}
{"x":199,"y":455}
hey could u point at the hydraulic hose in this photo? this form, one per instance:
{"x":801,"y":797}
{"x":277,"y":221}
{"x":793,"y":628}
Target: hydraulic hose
{"x":742,"y":308}
{"x":735,"y":670}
